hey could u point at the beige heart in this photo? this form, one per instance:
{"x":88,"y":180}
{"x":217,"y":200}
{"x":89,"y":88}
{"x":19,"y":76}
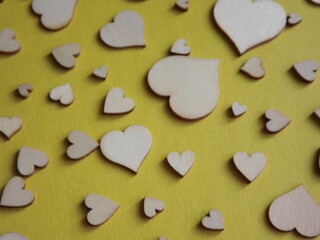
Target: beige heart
{"x":294,"y":18}
{"x":8,"y":43}
{"x":29,"y":158}
{"x":55,"y":14}
{"x":127,"y":30}
{"x":24,"y":89}
{"x":13,"y":236}
{"x":102,"y":208}
{"x":214,"y":221}
{"x":10,"y":126}
{"x":14,"y":194}
{"x":253,"y":68}
{"x":128,"y":148}
{"x":317,"y":112}
{"x":116,"y":103}
{"x":277,"y":122}
{"x":238,"y":109}
{"x":65,"y":54}
{"x":181,"y":164}
{"x":183,"y":4}
{"x":180,"y":47}
{"x":251,"y":166}
{"x":62,"y":93}
{"x":296,"y":210}
{"x":307,"y":69}
{"x":101,"y":72}
{"x":82,"y":145}
{"x":152,"y":205}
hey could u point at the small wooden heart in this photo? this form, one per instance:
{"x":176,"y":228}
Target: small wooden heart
{"x":82,"y":145}
{"x":65,"y":54}
{"x":10,"y":126}
{"x":102,"y":208}
{"x":152,"y":205}
{"x":181,"y":164}
{"x":62,"y":93}
{"x":278,"y":121}
{"x":116,"y":103}
{"x":238,"y":109}
{"x":183,"y":4}
{"x":29,"y":158}
{"x":180,"y":47}
{"x":307,"y":69}
{"x":8,"y":43}
{"x":294,"y":18}
{"x":214,"y":221}
{"x":25,"y":89}
{"x":101,"y":72}
{"x":13,"y":236}
{"x":253,"y":68}
{"x":14,"y":194}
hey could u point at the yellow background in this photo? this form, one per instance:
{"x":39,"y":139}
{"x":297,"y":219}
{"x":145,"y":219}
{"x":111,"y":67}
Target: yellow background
{"x":213,"y":182}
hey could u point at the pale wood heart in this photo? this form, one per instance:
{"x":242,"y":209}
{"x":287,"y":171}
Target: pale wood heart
{"x":65,"y":54}
{"x":13,"y":236}
{"x":8,"y":43}
{"x":128,"y":148}
{"x":183,"y":4}
{"x":317,"y":112}
{"x":10,"y":126}
{"x":253,"y":68}
{"x":152,"y":205}
{"x":116,"y":103}
{"x":62,"y":93}
{"x":55,"y":14}
{"x":315,"y":1}
{"x":14,"y":194}
{"x":191,"y":84}
{"x":307,"y":69}
{"x":102,"y":208}
{"x":294,"y":18}
{"x":296,"y":210}
{"x":127,"y":30}
{"x":181,"y":164}
{"x":180,"y":47}
{"x":82,"y":145}
{"x":29,"y":158}
{"x":101,"y":72}
{"x":251,"y":166}
{"x":25,"y":89}
{"x":214,"y":221}
{"x":249,"y":23}
{"x":238,"y":109}
{"x":277,"y":122}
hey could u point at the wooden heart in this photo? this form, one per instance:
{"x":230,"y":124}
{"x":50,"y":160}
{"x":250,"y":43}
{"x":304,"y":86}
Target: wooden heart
{"x":127,"y":30}
{"x":102,"y":208}
{"x":214,"y":221}
{"x":296,"y":210}
{"x":238,"y":109}
{"x":128,"y":148}
{"x":249,"y":23}
{"x":294,"y":18}
{"x":10,"y":126}
{"x":181,"y":164}
{"x":180,"y":47}
{"x":277,"y":122}
{"x":116,"y":103}
{"x":29,"y":158}
{"x":317,"y":112}
{"x":253,"y":68}
{"x":8,"y":43}
{"x":82,"y":145}
{"x":25,"y":89}
{"x":101,"y":72}
{"x":307,"y":69}
{"x":191,"y":84}
{"x":14,"y":194}
{"x":152,"y":205}
{"x":13,"y":236}
{"x":251,"y":166}
{"x":55,"y":14}
{"x":65,"y":54}
{"x":62,"y":93}
{"x":183,"y":4}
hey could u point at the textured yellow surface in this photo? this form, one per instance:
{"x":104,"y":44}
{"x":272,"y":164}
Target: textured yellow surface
{"x":213,"y":182}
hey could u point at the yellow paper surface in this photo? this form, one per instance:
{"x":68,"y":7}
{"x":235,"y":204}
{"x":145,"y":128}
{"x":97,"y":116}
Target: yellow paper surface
{"x":213,"y":182}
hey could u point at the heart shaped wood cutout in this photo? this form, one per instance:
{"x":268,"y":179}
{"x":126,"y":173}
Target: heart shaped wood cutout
{"x":253,"y":68}
{"x":62,"y":93}
{"x":14,"y":194}
{"x":296,"y":210}
{"x":13,"y":236}
{"x":8,"y":43}
{"x":101,"y":72}
{"x":294,"y":18}
{"x":10,"y":126}
{"x":180,"y":47}
{"x":102,"y":208}
{"x":116,"y":103}
{"x":214,"y":221}
{"x":29,"y":158}
{"x":249,"y":23}
{"x":183,"y":4}
{"x":181,"y":164}
{"x":65,"y":54}
{"x":128,"y":148}
{"x":278,"y":121}
{"x":127,"y":30}
{"x":191,"y":84}
{"x":25,"y":89}
{"x":238,"y":109}
{"x":251,"y":166}
{"x":82,"y":145}
{"x":55,"y":14}
{"x":152,"y":205}
{"x":307,"y":69}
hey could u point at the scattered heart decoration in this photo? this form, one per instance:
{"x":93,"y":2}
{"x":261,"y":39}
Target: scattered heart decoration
{"x":277,"y":120}
{"x":214,"y":221}
{"x":152,"y":205}
{"x":8,"y":43}
{"x":294,"y":18}
{"x":127,"y":30}
{"x":101,"y":72}
{"x":14,"y":194}
{"x":13,"y":236}
{"x":181,"y":163}
{"x":183,"y":4}
{"x":10,"y":126}
{"x":62,"y":93}
{"x":65,"y":54}
{"x":102,"y":208}
{"x":180,"y":47}
{"x":238,"y":109}
{"x":307,"y":69}
{"x":253,"y":68}
{"x":82,"y":145}
{"x":116,"y":103}
{"x":25,"y":89}
{"x":296,"y":210}
{"x":29,"y":158}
